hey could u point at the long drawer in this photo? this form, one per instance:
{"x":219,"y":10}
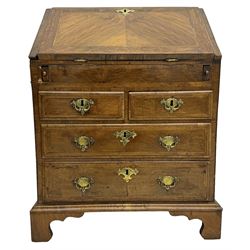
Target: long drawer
{"x":110,"y":73}
{"x":173,"y":140}
{"x":78,"y":105}
{"x":126,"y":181}
{"x":170,"y":105}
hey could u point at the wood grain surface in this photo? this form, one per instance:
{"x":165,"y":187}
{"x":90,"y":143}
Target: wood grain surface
{"x":194,"y":140}
{"x":147,"y":105}
{"x":118,"y":74}
{"x":57,"y":105}
{"x":208,"y":212}
{"x":192,"y":181}
{"x":144,"y":34}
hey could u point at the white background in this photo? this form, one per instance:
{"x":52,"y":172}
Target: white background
{"x":19,"y":22}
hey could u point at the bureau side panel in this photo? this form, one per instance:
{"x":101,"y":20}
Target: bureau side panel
{"x":215,"y":86}
{"x":37,"y":126}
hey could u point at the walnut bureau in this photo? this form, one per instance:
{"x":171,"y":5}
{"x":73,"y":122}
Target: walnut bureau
{"x":125,"y":109}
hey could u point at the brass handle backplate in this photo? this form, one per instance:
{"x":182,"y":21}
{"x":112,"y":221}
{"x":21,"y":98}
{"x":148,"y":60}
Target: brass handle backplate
{"x":83,"y":142}
{"x":83,"y":183}
{"x":171,"y":104}
{"x":169,"y":141}
{"x":125,"y":136}
{"x":127,"y":173}
{"x":167,"y":181}
{"x":82,"y":105}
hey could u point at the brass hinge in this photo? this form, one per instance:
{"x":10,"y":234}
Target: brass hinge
{"x":206,"y":73}
{"x":44,"y":74}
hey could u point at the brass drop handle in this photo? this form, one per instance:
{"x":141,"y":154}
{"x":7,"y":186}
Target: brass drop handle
{"x":167,"y":181}
{"x":83,"y":142}
{"x":127,"y":173}
{"x":82,"y":105}
{"x":169,"y":141}
{"x":83,"y":183}
{"x":125,"y":136}
{"x":171,"y":104}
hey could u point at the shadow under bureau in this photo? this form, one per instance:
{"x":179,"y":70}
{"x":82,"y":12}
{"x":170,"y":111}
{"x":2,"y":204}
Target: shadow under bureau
{"x":125,"y":109}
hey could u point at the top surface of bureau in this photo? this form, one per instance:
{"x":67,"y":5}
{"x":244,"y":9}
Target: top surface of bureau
{"x":125,"y":34}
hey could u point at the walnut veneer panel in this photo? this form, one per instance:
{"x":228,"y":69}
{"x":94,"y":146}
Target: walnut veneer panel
{"x":119,"y":74}
{"x":147,"y":31}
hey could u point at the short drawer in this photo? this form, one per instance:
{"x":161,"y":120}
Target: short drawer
{"x":126,"y":181}
{"x":138,"y":140}
{"x":170,"y":105}
{"x":70,"y":105}
{"x":125,"y":73}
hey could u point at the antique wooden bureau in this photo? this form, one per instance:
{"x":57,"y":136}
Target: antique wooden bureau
{"x":125,"y":106}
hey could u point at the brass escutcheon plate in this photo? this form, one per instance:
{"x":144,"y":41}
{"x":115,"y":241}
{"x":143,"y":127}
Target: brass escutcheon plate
{"x":125,"y":11}
{"x":127,"y":173}
{"x":171,"y":104}
{"x":82,"y":105}
{"x":125,"y":136}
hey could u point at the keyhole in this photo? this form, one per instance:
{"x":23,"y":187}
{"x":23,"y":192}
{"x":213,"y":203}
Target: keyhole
{"x":82,"y":102}
{"x":171,"y":103}
{"x":125,"y":134}
{"x":126,"y":171}
{"x":125,"y":10}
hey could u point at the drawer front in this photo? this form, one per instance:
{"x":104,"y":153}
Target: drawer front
{"x":107,"y":181}
{"x":170,"y":105}
{"x":125,"y":73}
{"x":81,"y":105}
{"x":109,"y":140}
